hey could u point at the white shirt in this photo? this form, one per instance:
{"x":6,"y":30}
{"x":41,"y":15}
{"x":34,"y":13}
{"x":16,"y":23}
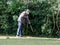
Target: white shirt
{"x":22,"y":17}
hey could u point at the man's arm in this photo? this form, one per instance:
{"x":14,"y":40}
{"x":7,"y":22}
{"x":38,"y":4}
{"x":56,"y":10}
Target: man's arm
{"x":28,"y":21}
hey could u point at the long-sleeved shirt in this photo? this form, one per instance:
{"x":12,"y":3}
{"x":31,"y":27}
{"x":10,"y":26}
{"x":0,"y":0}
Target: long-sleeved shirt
{"x":23,"y":17}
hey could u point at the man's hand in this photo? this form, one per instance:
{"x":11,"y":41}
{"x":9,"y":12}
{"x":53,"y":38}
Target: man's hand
{"x":29,"y":22}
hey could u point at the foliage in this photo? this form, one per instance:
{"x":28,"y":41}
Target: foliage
{"x":40,"y":17}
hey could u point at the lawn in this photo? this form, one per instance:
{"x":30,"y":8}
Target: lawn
{"x":28,"y":41}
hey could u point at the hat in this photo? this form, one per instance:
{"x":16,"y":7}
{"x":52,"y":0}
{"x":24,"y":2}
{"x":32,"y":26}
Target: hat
{"x":27,"y":11}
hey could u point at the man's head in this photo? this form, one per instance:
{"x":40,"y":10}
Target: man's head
{"x":27,"y":11}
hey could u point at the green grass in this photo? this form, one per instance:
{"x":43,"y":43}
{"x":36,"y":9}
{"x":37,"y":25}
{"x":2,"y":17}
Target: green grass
{"x":29,"y":42}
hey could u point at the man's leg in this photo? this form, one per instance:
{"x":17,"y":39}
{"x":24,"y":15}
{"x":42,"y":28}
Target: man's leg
{"x":19,"y":30}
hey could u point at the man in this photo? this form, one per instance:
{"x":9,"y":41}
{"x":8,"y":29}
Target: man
{"x":23,"y":17}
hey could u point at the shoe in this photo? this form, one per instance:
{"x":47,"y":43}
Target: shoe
{"x":18,"y":36}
